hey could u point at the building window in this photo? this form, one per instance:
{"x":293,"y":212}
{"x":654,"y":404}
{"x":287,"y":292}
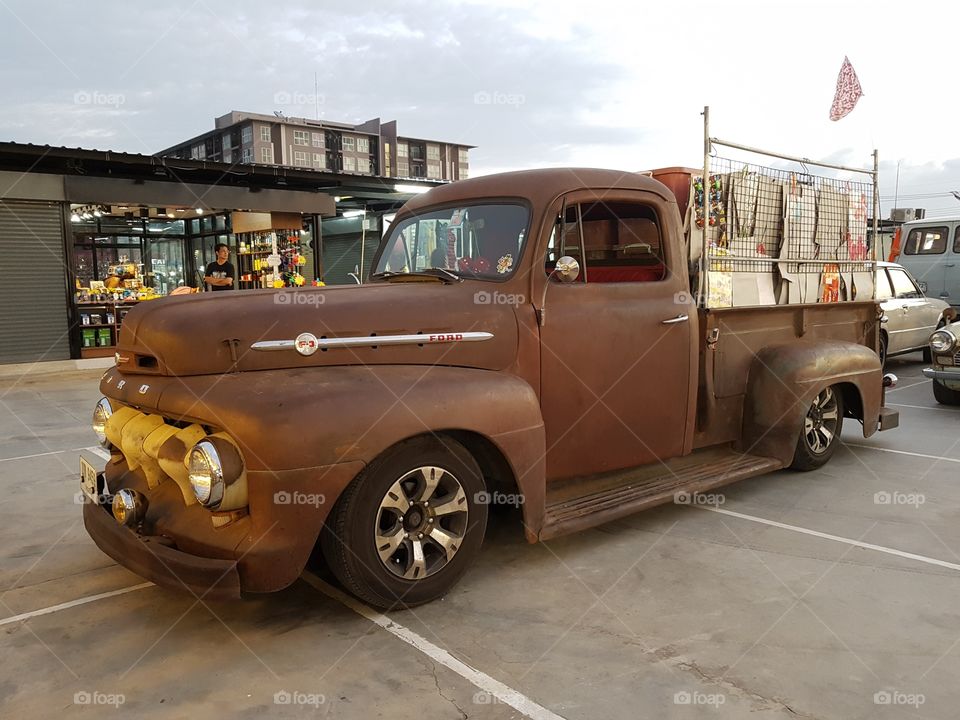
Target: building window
{"x":246,"y":135}
{"x":318,"y":139}
{"x":363,"y":145}
{"x":350,"y":164}
{"x":363,"y":165}
{"x":300,"y":158}
{"x":266,"y":155}
{"x":198,"y":152}
{"x":463,"y":156}
{"x":401,"y":150}
{"x":349,"y":143}
{"x":433,"y":152}
{"x":416,"y":152}
{"x":319,"y":160}
{"x":247,"y":155}
{"x":433,"y":170}
{"x":226,"y":141}
{"x":301,"y":137}
{"x":265,"y":133}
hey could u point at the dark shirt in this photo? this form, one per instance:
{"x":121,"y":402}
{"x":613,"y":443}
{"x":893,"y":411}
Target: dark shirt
{"x":216,"y":270}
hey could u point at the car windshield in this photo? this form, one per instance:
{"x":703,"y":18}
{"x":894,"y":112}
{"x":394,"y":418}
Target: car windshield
{"x":481,"y":241}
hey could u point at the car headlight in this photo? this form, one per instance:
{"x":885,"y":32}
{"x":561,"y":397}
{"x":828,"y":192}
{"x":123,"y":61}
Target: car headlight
{"x":216,"y":474}
{"x":206,"y":474}
{"x":942,"y":341}
{"x":102,"y":413}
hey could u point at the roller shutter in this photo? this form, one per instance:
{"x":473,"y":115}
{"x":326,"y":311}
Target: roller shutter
{"x":33,"y":306}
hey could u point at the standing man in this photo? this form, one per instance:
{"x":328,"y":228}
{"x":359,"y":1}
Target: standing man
{"x":220,"y":273}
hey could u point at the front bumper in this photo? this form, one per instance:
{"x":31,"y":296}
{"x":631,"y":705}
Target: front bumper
{"x":950,"y":377}
{"x":207,"y":578}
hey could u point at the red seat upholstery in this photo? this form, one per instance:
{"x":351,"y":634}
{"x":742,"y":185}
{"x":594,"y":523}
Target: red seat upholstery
{"x":624,"y":273}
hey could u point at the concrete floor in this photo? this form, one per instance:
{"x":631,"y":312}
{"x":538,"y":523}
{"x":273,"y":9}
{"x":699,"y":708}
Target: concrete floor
{"x":628,"y":620}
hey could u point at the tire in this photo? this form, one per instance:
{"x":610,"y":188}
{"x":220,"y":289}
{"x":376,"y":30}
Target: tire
{"x":945,"y":395}
{"x":386,"y":540}
{"x":820,"y":432}
{"x":883,"y":350}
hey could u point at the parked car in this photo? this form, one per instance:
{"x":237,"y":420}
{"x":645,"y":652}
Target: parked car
{"x":930,"y":250}
{"x":945,"y":373}
{"x":910,"y":317}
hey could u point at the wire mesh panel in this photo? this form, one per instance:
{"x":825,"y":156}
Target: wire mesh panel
{"x":778,"y":236}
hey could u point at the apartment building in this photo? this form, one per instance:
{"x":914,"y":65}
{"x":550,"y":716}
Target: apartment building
{"x":371,"y":148}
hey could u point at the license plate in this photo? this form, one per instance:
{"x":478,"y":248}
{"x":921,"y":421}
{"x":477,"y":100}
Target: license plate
{"x":88,"y":480}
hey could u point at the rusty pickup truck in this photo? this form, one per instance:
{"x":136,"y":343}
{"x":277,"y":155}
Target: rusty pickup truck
{"x":530,"y":337}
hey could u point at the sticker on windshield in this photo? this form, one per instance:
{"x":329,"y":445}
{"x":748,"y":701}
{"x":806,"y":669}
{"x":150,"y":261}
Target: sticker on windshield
{"x":504,"y":264}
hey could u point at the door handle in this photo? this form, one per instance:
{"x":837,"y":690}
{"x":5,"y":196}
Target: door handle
{"x":677,"y":319}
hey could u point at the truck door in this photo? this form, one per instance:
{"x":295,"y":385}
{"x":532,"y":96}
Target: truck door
{"x":952,"y":280}
{"x":618,"y":362}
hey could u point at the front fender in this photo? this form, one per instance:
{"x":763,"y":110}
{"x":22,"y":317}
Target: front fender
{"x":785,"y":378}
{"x":295,"y":419}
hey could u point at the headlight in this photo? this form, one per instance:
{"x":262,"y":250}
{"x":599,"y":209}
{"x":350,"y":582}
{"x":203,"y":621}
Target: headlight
{"x":206,"y":474}
{"x":942,"y":341}
{"x":102,"y":413}
{"x":129,"y":507}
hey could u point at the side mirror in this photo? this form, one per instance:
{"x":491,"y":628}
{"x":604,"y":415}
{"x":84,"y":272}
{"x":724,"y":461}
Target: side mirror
{"x":567,"y":269}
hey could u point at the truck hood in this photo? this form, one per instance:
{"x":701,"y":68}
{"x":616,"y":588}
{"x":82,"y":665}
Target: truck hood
{"x":214,"y":332}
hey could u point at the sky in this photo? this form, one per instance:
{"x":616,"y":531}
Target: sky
{"x":531,"y":84}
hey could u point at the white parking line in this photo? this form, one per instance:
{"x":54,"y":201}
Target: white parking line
{"x":99,"y":451}
{"x":497,"y":689}
{"x":903,"y":452}
{"x":36,"y":455}
{"x":836,"y":538}
{"x":904,"y":387}
{"x":73,"y":603}
{"x":925,"y":407}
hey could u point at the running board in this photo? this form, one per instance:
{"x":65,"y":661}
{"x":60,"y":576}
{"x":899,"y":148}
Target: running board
{"x":578,"y":503}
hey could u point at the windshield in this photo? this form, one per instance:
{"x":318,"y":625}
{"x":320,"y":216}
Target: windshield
{"x":483,"y":241}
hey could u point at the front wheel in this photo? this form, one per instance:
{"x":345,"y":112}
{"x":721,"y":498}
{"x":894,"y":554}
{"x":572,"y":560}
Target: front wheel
{"x":407,"y":528}
{"x":820,"y":434}
{"x":945,"y":395}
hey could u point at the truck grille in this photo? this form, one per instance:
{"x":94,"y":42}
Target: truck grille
{"x":956,"y":359}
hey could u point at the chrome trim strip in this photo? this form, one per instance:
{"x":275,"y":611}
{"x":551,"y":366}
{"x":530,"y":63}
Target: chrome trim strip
{"x":378,"y":340}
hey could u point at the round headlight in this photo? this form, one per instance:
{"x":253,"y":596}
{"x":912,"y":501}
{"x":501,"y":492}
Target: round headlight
{"x":102,"y":413}
{"x":942,"y":341}
{"x":206,"y":474}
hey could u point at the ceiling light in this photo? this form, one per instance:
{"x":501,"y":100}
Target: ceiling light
{"x":199,"y":211}
{"x":336,"y":198}
{"x":410,"y":189}
{"x":97,"y":213}
{"x":74,"y":217}
{"x":354,"y":213}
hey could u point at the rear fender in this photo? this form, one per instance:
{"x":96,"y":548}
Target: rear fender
{"x":784,"y":380}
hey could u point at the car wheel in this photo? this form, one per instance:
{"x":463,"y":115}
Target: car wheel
{"x":407,"y":528}
{"x":820,"y":434}
{"x":883,"y":349}
{"x":945,"y":395}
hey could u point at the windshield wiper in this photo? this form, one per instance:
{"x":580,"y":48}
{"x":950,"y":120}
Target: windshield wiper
{"x":441,"y":274}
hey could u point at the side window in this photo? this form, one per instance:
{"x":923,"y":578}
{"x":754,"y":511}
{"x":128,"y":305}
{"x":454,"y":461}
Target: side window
{"x":926,"y":241}
{"x":956,"y":241}
{"x":614,"y":242}
{"x":884,"y":289}
{"x":903,"y":286}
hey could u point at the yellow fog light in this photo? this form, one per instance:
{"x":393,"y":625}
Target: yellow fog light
{"x":129,"y":507}
{"x":102,"y":413}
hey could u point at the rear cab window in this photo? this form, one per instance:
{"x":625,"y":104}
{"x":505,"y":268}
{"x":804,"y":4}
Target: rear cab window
{"x":927,"y":241}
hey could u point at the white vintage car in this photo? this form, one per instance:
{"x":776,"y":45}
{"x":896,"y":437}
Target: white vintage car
{"x":909,"y":316}
{"x":945,"y":373}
